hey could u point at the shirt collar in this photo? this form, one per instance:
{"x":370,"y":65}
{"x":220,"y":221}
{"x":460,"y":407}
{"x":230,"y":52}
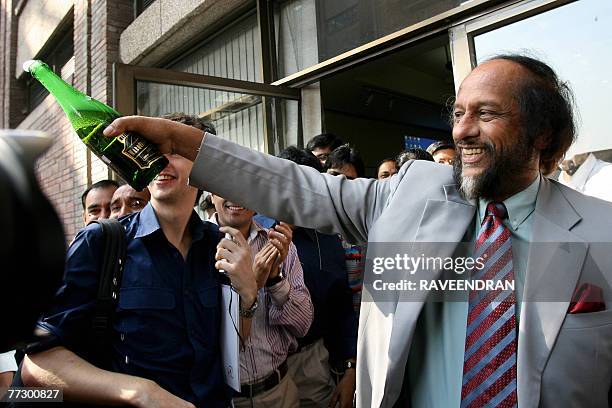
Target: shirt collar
{"x":519,"y":206}
{"x":581,"y":176}
{"x":197,"y":227}
{"x":149,"y":224}
{"x":254,"y":229}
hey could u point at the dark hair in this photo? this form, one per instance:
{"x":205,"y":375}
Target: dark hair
{"x":207,"y":203}
{"x":96,"y":185}
{"x":324,"y":140}
{"x":383,"y":161}
{"x":546,"y":109}
{"x":344,"y":155}
{"x":301,"y":156}
{"x":440,"y":145}
{"x":198,"y":196}
{"x":192,"y":120}
{"x":414,"y":153}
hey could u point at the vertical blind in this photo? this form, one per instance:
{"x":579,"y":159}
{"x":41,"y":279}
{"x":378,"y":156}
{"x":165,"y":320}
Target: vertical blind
{"x":235,"y":54}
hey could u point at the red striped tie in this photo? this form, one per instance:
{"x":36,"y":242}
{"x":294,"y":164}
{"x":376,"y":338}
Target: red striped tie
{"x":489,"y":365}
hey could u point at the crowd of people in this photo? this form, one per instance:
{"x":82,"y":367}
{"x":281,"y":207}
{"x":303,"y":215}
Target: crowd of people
{"x":301,"y":348}
{"x":293,"y":242}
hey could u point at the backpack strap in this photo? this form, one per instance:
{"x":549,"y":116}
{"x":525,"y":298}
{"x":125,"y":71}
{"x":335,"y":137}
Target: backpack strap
{"x":111,"y":273}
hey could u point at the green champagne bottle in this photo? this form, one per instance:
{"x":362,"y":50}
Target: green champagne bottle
{"x":132,"y":157}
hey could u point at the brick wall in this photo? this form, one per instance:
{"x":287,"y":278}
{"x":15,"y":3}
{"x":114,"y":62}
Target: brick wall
{"x":67,"y":169}
{"x":12,"y":92}
{"x":62,"y":171}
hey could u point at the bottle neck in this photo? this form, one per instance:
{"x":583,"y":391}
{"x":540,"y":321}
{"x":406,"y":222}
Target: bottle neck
{"x":70,"y":99}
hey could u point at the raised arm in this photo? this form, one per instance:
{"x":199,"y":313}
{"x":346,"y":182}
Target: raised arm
{"x":272,"y":186}
{"x":291,"y":305}
{"x":289,"y":192}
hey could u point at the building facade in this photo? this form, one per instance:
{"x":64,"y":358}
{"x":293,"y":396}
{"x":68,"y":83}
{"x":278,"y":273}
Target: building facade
{"x":270,"y":73}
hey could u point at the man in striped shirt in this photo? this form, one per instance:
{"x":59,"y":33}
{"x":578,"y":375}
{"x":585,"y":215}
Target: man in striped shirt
{"x":284,"y":310}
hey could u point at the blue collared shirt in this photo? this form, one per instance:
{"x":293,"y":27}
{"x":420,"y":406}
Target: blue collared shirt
{"x":435,"y":365}
{"x":167,"y":323}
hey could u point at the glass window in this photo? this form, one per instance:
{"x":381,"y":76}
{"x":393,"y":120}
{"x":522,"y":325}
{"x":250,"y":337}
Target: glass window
{"x":236,"y":116}
{"x":141,"y":5}
{"x":581,"y":55}
{"x":296,"y":42}
{"x":342,"y":25}
{"x":60,"y":58}
{"x":234,"y":53}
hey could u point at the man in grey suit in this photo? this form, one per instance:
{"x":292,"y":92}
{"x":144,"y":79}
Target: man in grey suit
{"x":549,"y":341}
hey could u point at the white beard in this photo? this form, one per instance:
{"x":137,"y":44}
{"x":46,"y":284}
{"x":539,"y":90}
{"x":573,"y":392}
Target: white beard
{"x":469,"y":187}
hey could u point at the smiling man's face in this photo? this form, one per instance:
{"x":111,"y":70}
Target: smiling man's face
{"x":494,"y":158}
{"x":126,"y":200}
{"x":97,"y":203}
{"x":172,"y":183}
{"x":231,"y":214}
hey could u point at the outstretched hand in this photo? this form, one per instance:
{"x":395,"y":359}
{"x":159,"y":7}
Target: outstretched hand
{"x":169,"y":136}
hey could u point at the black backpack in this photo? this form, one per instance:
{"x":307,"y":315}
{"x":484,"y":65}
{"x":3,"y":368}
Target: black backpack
{"x":111,"y":273}
{"x":101,"y":329}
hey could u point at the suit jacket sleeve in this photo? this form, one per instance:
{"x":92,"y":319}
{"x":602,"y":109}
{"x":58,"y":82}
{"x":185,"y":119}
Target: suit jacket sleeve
{"x":289,"y":192}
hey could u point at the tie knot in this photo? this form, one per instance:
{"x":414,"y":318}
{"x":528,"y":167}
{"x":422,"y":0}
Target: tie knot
{"x":497,"y":210}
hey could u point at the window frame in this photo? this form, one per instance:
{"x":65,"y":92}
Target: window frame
{"x":63,"y":36}
{"x":463,"y":52}
{"x":126,"y":77}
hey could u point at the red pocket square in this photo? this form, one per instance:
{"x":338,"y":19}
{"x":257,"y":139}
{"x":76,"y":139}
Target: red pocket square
{"x":587,"y":298}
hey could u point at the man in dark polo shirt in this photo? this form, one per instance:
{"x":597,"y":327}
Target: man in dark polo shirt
{"x":166,"y":349}
{"x":323,"y":368}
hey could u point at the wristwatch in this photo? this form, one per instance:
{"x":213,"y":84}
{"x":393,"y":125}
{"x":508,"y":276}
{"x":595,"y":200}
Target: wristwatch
{"x":339,"y":369}
{"x":273,"y":281}
{"x":250,"y":312}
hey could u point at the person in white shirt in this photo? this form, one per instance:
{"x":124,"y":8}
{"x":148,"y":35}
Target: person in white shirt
{"x":589,"y":175}
{"x":8,"y":366}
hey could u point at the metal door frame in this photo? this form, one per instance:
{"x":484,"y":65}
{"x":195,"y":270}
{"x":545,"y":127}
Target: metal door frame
{"x":125,"y":78}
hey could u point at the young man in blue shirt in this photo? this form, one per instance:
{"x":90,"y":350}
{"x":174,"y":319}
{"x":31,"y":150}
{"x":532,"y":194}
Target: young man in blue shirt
{"x":166,"y":349}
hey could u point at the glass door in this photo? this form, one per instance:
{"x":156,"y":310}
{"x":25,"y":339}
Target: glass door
{"x":260,"y":116}
{"x":575,"y":38}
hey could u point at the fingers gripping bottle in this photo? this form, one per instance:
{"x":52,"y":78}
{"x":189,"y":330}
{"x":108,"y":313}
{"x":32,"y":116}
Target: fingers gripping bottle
{"x":132,"y":157}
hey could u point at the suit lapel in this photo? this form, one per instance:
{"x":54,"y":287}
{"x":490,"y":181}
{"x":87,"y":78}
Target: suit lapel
{"x":453,"y":216}
{"x":554,"y":263}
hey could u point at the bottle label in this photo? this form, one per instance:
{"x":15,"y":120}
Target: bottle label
{"x":137,"y":150}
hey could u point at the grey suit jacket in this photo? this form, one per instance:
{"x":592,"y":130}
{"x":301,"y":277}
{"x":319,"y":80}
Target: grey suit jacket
{"x":563,"y":359}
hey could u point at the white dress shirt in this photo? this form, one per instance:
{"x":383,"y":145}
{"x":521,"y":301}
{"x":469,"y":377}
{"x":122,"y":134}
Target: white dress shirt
{"x":593,"y":178}
{"x":7,"y":361}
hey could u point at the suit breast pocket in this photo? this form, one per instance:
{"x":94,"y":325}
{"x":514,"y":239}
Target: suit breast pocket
{"x":579,"y":370}
{"x":587,"y":320}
